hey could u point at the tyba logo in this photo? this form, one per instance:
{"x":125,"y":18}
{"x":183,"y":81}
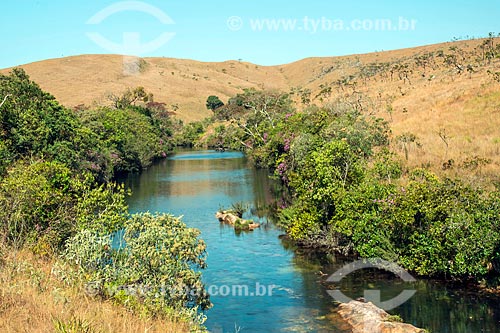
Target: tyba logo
{"x":373,"y":295}
{"x":131,"y":44}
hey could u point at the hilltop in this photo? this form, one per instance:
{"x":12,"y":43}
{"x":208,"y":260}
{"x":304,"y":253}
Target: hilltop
{"x":442,"y":101}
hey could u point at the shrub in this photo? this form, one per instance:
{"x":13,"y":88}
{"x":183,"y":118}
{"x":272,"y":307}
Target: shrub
{"x":445,"y":227}
{"x":44,"y":203}
{"x":361,"y":215}
{"x":239,"y":208}
{"x":431,"y":226}
{"x":213,"y":103}
{"x":37,"y":203}
{"x":153,"y":271}
{"x":190,"y":134}
{"x":102,"y":209}
{"x":386,"y":167}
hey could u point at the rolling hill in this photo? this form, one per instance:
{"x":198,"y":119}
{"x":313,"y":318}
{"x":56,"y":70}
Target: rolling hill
{"x":442,"y":101}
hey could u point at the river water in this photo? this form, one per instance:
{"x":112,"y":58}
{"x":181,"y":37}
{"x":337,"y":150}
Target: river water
{"x":260,"y":284}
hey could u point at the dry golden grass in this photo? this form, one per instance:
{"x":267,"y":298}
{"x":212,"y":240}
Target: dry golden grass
{"x":464,"y":108}
{"x":32,"y":300}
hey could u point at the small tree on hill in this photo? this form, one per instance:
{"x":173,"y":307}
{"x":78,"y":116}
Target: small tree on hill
{"x":213,"y":103}
{"x":130,"y":97}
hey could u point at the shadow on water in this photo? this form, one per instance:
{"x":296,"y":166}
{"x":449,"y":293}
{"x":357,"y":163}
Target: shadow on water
{"x":438,"y":306}
{"x":257,"y":282}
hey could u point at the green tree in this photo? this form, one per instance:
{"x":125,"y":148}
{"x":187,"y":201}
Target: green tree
{"x":31,"y":120}
{"x":131,"y":138}
{"x":33,"y":123}
{"x":130,"y":97}
{"x":213,"y":103}
{"x":328,"y":173}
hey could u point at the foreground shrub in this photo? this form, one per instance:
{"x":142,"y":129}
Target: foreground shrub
{"x":152,"y":269}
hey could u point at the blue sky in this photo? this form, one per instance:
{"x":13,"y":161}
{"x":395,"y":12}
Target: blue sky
{"x":264,"y":32}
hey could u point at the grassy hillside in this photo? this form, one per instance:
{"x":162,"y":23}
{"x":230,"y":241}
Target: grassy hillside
{"x":439,"y":97}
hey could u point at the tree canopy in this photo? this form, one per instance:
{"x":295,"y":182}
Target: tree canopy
{"x":213,"y":103}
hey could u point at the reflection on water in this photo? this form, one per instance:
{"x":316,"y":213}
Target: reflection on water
{"x":197,"y":184}
{"x":436,"y":306}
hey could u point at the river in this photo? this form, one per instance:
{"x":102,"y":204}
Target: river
{"x":260,"y":284}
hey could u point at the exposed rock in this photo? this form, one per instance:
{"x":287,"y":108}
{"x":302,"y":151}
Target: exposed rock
{"x":236,"y":221}
{"x":368,"y":318}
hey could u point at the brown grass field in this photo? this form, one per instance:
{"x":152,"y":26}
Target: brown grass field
{"x":33,"y":300}
{"x":454,"y":116}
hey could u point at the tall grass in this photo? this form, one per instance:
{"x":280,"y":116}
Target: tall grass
{"x":33,"y":300}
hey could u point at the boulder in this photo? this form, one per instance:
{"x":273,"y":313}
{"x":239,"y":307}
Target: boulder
{"x":226,"y":217}
{"x":236,"y":221}
{"x":368,"y":318}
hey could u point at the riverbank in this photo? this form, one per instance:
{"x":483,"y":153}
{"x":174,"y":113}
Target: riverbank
{"x":487,"y":286}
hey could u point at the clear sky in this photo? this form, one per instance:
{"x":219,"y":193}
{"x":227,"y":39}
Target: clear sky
{"x":265,"y":32}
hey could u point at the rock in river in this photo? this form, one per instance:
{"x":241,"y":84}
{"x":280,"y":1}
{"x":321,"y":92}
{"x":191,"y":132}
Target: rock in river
{"x":368,"y":318}
{"x":236,"y":221}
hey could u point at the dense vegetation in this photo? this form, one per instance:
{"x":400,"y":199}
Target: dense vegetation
{"x":346,"y":191}
{"x":59,"y":200}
